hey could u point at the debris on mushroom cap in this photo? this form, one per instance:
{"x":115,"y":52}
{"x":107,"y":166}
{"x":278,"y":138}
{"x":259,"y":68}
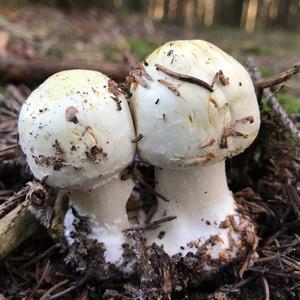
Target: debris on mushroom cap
{"x":69,"y":128}
{"x":202,"y":103}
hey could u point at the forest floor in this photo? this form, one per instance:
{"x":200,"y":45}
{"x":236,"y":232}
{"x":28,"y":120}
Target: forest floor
{"x":265,"y":179}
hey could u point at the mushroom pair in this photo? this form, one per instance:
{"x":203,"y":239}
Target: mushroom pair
{"x":76,"y":131}
{"x":193,"y":104}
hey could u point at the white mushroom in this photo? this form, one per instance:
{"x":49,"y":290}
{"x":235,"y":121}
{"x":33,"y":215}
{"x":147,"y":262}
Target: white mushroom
{"x":76,"y":131}
{"x":195,"y":105}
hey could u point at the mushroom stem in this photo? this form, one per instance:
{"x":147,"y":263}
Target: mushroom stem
{"x":106,"y":208}
{"x":200,"y":199}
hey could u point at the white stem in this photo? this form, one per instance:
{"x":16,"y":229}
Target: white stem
{"x":200,"y":199}
{"x":106,"y":208}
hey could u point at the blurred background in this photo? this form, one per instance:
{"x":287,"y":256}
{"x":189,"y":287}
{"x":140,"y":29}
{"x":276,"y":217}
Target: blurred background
{"x":39,"y":37}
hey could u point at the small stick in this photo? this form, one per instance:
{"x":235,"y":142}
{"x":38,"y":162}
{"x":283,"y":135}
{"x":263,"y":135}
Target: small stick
{"x":13,"y":201}
{"x":266,"y":287}
{"x":151,"y":189}
{"x":183,"y":77}
{"x":138,"y":138}
{"x":170,"y":86}
{"x":278,"y":78}
{"x":272,"y":100}
{"x":220,"y":76}
{"x":8,"y":152}
{"x":43,"y":276}
{"x":53,"y":288}
{"x":150,"y":226}
{"x":82,"y":281}
{"x":41,"y":256}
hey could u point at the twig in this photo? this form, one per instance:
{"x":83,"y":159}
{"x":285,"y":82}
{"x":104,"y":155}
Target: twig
{"x":266,"y":287}
{"x":8,"y":152}
{"x":138,"y":138}
{"x":43,"y":276}
{"x":273,"y":102}
{"x":292,"y":196}
{"x":39,"y":257}
{"x":13,"y":201}
{"x":183,"y":77}
{"x":278,"y":78}
{"x":143,"y":182}
{"x":72,"y":287}
{"x":150,"y":225}
{"x":52,"y":289}
{"x":169,"y":86}
{"x":238,"y":285}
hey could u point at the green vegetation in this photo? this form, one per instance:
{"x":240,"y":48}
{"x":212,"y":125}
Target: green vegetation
{"x":289,"y":102}
{"x":256,"y":48}
{"x":266,"y":109}
{"x":266,"y":71}
{"x":110,"y":51}
{"x":141,"y":48}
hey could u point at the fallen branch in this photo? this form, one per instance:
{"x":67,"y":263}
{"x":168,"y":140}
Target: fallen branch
{"x":15,"y":228}
{"x":273,"y":102}
{"x":38,"y":69}
{"x":277,"y":78}
{"x":19,"y":224}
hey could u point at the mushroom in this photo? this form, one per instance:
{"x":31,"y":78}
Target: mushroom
{"x":76,"y":131}
{"x":195,"y":106}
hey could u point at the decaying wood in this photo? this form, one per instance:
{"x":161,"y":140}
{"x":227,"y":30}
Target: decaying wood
{"x":19,"y":223}
{"x":37,"y":69}
{"x":13,"y":202}
{"x":273,"y":102}
{"x":15,"y":228}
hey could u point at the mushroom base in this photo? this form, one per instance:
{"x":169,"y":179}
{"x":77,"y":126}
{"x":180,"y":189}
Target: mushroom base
{"x":105,"y":209}
{"x":206,"y":216}
{"x":196,"y":269}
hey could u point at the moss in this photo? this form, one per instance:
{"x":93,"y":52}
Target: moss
{"x":110,"y":51}
{"x":266,"y":108}
{"x":266,"y":71}
{"x":141,"y":48}
{"x":289,"y":102}
{"x":256,"y":48}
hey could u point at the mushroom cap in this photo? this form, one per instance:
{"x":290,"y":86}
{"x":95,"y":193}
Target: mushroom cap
{"x":76,"y":129}
{"x":186,"y":122}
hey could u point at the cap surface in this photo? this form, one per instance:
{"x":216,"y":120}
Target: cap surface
{"x":76,"y":129}
{"x":194,"y":104}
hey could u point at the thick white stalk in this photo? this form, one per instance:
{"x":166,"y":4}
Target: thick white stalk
{"x":200,"y":199}
{"x":106,"y":208}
